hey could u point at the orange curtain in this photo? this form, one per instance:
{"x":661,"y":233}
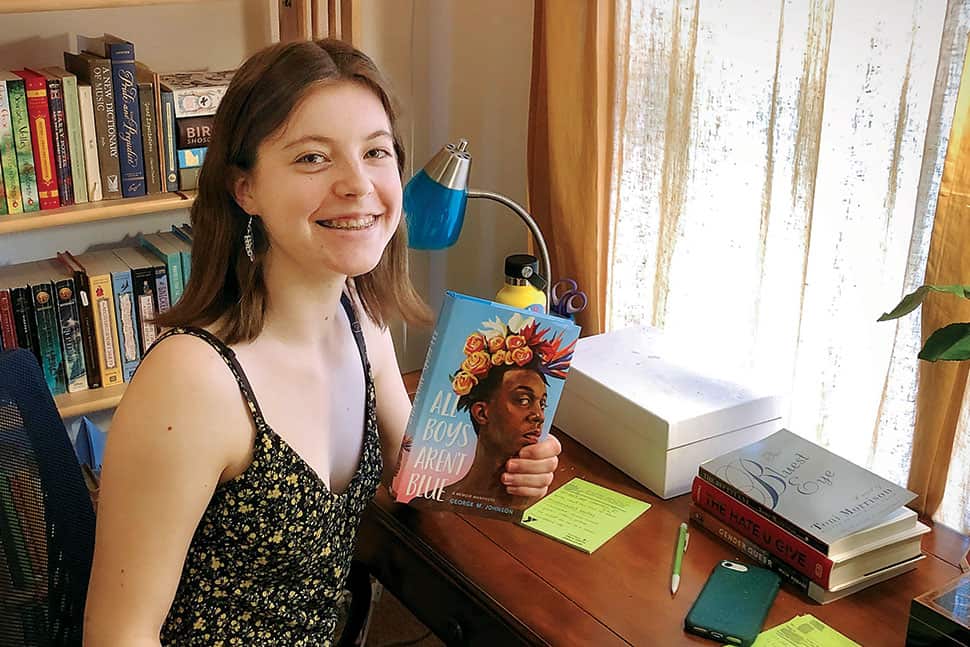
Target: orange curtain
{"x":570,"y":148}
{"x":942,"y":385}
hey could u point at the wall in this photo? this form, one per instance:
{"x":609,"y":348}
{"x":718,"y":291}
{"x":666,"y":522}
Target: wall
{"x":460,"y":69}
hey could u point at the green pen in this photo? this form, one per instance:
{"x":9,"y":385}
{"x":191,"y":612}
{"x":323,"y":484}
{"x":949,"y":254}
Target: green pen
{"x":683,"y":537}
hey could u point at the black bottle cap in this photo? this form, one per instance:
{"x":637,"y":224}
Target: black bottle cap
{"x":525,"y":266}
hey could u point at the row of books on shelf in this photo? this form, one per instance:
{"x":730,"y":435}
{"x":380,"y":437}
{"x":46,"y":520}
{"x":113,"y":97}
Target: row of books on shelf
{"x":103,"y":126}
{"x":89,"y":318}
{"x":827,"y":526}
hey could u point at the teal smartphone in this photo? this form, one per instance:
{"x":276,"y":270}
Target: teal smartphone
{"x":732,"y":606}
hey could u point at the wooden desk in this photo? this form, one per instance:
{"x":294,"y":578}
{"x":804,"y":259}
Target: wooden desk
{"x":479,"y":581}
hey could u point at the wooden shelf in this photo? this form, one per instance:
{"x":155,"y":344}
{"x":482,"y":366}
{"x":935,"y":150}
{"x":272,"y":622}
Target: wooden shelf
{"x":31,"y":6}
{"x":78,"y":404}
{"x":93,"y":211}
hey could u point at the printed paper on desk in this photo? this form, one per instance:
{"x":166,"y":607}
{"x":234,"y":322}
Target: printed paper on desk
{"x":582,"y":514}
{"x":803,"y":631}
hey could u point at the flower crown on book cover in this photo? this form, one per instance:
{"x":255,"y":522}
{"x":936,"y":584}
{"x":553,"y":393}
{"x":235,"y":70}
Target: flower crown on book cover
{"x":491,"y":382}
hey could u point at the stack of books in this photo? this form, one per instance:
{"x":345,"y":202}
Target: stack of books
{"x":824,"y":524}
{"x":89,"y":318}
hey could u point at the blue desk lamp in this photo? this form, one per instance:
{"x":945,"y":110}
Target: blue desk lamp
{"x":435,"y":200}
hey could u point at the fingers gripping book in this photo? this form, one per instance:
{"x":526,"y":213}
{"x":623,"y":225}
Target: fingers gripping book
{"x":491,"y":382}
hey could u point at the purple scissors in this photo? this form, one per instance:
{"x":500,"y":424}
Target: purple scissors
{"x":567,"y":298}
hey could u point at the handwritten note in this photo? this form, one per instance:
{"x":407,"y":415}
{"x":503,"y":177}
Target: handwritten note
{"x":582,"y":514}
{"x":803,"y":631}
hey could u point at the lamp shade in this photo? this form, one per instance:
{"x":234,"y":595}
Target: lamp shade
{"x":435,"y":199}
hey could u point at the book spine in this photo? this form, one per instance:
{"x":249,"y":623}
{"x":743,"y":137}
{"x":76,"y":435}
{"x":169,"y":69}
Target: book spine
{"x":75,"y":137}
{"x":106,"y":124}
{"x":69,"y":320}
{"x":89,"y":342}
{"x":399,"y":489}
{"x":103,"y":308}
{"x":752,"y":551}
{"x":23,"y":316}
{"x":763,"y":532}
{"x":126,"y":325}
{"x":41,"y":138}
{"x":763,"y":510}
{"x":131,"y":154}
{"x":8,"y":331}
{"x":49,"y":337}
{"x":161,"y":289}
{"x":194,"y":132}
{"x":8,"y":157}
{"x":62,"y":152}
{"x":173,"y":267}
{"x":89,"y":136}
{"x":146,"y":106}
{"x":146,"y":305}
{"x":169,"y":158}
{"x":20,"y":122}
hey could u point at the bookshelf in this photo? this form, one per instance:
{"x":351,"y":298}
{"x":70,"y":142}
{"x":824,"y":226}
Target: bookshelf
{"x":246,"y":26}
{"x":94,"y":211}
{"x":83,"y":402}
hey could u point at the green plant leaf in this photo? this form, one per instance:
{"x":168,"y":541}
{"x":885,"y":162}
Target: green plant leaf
{"x":913,"y":300}
{"x":951,"y":343}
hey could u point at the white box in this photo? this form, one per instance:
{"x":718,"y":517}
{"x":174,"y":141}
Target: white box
{"x":629,"y":399}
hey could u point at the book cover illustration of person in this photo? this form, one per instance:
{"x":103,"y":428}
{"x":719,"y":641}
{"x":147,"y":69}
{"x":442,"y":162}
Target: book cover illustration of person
{"x":492,"y":379}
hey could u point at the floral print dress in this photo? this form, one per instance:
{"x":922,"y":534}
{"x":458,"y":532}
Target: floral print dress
{"x":268,"y":561}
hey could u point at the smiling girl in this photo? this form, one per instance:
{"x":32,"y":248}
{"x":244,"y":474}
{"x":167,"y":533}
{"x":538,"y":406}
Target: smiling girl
{"x":260,"y":424}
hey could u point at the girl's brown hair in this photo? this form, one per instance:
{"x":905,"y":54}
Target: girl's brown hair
{"x":224,"y":285}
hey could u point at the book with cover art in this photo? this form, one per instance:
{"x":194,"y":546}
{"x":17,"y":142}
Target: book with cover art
{"x":491,"y":382}
{"x":816,"y":495}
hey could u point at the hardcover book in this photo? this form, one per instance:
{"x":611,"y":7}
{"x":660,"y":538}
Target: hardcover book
{"x":96,"y":72}
{"x":166,"y":102}
{"x":103,"y":314}
{"x":811,"y":492}
{"x":89,"y":143}
{"x":492,"y":379}
{"x":147,"y":91}
{"x":121,"y":53}
{"x":142,"y":269}
{"x":75,"y":140}
{"x":89,"y":344}
{"x":8,"y":158}
{"x":829,"y":571}
{"x":62,"y":153}
{"x":48,"y":330}
{"x":20,"y":123}
{"x":69,"y":321}
{"x":41,"y":138}
{"x":752,"y":551}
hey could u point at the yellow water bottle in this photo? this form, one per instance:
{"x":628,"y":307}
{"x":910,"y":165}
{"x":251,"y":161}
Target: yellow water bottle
{"x":523,"y":284}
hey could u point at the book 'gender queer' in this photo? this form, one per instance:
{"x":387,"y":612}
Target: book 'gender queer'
{"x":492,"y":379}
{"x":805,"y":488}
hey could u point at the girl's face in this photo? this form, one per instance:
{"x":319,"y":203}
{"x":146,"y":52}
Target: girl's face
{"x":326,"y":186}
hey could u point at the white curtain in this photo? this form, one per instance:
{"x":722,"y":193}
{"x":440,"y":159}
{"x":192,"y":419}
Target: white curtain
{"x":773,"y":195}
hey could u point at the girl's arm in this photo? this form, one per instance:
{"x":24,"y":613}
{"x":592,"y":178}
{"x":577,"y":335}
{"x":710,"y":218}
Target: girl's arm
{"x":169,"y":442}
{"x":528,"y":475}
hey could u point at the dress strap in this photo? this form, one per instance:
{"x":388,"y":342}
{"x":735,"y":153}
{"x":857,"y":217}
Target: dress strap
{"x":358,"y":334}
{"x":228,"y":356}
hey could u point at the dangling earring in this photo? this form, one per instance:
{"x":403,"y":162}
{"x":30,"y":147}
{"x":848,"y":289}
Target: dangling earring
{"x":248,"y":241}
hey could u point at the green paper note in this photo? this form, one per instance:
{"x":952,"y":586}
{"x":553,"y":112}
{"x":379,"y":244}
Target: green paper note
{"x":803,"y":631}
{"x":582,"y":514}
